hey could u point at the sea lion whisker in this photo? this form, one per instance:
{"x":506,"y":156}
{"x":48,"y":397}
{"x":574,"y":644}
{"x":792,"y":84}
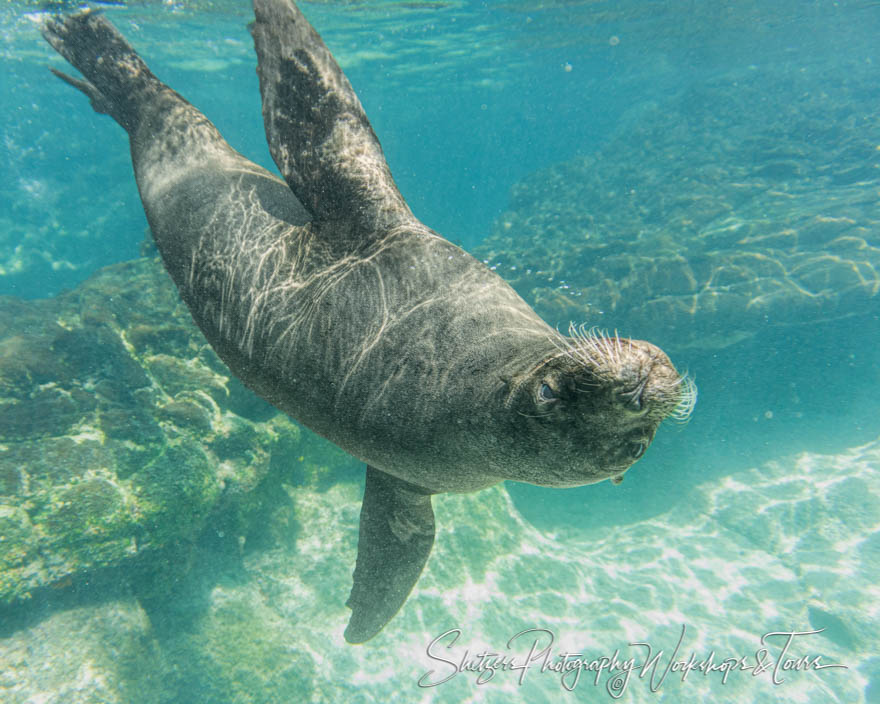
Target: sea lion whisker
{"x":533,"y":415}
{"x":687,"y":400}
{"x":566,"y":349}
{"x":586,"y":388}
{"x":587,"y":344}
{"x":587,"y":356}
{"x":608,"y":349}
{"x":637,"y":391}
{"x":618,"y":347}
{"x":577,"y":350}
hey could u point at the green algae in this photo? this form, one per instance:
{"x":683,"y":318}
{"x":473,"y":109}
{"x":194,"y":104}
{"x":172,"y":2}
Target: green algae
{"x":120,"y":442}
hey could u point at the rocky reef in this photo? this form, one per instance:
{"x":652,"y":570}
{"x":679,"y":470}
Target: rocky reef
{"x":769,"y":549}
{"x":744,"y":203}
{"x":121,"y":432}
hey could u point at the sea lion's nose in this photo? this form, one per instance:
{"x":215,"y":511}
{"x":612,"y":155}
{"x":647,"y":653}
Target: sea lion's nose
{"x":633,"y":398}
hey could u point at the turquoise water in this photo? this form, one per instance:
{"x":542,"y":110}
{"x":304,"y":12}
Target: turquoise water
{"x":591,"y":144}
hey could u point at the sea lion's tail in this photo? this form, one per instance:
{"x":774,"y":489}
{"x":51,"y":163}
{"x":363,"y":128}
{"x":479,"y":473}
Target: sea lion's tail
{"x":117,"y":80}
{"x":317,"y":131}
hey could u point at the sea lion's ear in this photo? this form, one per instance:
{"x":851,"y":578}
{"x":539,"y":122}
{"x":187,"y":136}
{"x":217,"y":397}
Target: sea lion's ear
{"x":397,"y":532}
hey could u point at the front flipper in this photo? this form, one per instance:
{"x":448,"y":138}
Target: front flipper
{"x":396,"y":535}
{"x":317,"y":131}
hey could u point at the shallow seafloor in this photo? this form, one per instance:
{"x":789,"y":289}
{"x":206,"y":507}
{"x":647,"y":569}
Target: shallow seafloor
{"x":705,"y":175}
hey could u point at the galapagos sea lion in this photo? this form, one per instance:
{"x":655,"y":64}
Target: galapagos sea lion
{"x":328,"y":298}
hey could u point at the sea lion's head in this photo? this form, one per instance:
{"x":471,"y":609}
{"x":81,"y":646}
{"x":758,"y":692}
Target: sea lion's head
{"x":590,"y":410}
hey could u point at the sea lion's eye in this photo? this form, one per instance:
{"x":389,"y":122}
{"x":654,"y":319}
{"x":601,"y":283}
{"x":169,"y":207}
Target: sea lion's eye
{"x":637,"y":449}
{"x":545,"y":393}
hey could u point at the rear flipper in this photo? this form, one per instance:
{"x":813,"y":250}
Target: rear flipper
{"x":117,"y":80}
{"x":397,"y":532}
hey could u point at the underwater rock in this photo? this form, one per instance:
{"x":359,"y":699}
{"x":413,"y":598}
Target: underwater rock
{"x":95,"y":653}
{"x":742,"y":203}
{"x":117,"y":436}
{"x":792,"y":544}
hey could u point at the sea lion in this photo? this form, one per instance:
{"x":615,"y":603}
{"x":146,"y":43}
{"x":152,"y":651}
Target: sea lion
{"x":333,"y":302}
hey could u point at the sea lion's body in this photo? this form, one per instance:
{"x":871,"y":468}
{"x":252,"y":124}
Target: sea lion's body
{"x":290,"y":317}
{"x":288,"y":312}
{"x":341,"y":309}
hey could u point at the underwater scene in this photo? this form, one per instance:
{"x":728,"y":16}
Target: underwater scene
{"x":702,"y":175}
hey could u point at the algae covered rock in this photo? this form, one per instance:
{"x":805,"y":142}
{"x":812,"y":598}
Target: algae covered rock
{"x":82,"y":655}
{"x":791,"y":544}
{"x":749,"y":201}
{"x":120,"y":430}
